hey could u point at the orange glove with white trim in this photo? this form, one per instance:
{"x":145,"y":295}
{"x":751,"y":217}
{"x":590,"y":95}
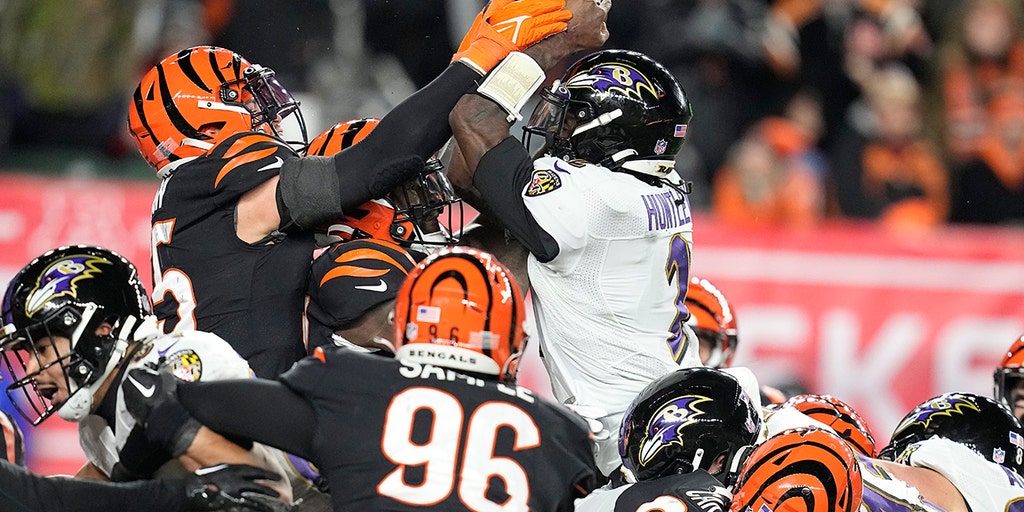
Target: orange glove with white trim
{"x":505,"y":26}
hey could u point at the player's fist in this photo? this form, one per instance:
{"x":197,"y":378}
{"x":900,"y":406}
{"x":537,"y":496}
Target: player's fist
{"x":505,"y":26}
{"x":150,"y":395}
{"x":588,"y":29}
{"x":227,"y":486}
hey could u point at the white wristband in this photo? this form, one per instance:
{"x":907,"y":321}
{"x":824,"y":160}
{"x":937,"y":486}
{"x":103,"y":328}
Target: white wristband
{"x":511,"y":83}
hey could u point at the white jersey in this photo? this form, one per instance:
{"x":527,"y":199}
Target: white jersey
{"x":984,"y":485}
{"x":606,"y":304}
{"x":601,"y":499}
{"x":191,"y":355}
{"x":609,"y":310}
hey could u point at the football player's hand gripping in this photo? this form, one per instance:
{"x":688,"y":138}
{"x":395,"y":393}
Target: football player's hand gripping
{"x":151,"y":398}
{"x":506,"y":26}
{"x":233,"y":486}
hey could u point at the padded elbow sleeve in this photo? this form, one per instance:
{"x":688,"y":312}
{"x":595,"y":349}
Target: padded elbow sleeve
{"x":309,"y":193}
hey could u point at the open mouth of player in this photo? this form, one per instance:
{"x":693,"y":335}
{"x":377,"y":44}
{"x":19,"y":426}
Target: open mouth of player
{"x":47,"y":392}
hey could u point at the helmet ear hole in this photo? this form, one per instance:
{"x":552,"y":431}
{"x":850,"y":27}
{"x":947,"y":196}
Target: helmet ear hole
{"x":211,"y":128}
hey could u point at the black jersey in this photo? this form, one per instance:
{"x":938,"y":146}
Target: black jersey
{"x":696,"y":492}
{"x":403,"y":436}
{"x":206,"y":279}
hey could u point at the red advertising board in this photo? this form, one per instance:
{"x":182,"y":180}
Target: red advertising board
{"x":881,"y":319}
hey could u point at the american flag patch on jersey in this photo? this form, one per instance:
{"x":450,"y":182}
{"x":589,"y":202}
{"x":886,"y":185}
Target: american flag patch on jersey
{"x":680,"y":130}
{"x":1016,"y":440}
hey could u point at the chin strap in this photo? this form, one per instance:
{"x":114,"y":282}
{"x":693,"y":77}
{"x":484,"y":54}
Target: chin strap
{"x":736,"y":465}
{"x":683,"y":187}
{"x":81,"y":399}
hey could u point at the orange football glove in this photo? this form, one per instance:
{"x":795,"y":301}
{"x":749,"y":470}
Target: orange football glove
{"x":506,"y":26}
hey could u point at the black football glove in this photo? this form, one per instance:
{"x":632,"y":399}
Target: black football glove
{"x":152,"y":399}
{"x":232,"y":487}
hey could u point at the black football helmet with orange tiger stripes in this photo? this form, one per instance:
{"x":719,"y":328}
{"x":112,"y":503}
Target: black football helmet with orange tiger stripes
{"x":195,"y":98}
{"x":800,"y":470}
{"x":713,"y":321}
{"x":407,"y":215}
{"x":839,"y":415}
{"x":1009,"y":375}
{"x":462,"y":309}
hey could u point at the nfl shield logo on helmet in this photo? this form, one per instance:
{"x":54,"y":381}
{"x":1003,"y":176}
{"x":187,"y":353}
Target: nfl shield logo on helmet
{"x":660,"y":147}
{"x":998,"y":455}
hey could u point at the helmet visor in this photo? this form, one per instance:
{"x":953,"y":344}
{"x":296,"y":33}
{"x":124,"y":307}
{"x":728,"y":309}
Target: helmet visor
{"x":269,"y":103}
{"x":1010,"y":389}
{"x":548,"y":120}
{"x":271,"y":99}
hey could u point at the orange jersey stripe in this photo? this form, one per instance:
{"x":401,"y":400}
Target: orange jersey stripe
{"x":242,"y":160}
{"x":246,"y":141}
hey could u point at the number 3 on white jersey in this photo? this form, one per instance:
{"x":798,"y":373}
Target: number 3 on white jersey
{"x":438,"y":456}
{"x":172,"y":281}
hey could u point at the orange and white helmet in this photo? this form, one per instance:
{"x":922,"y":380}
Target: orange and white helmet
{"x":1009,"y":373}
{"x":195,"y":98}
{"x":460,"y":308}
{"x":839,"y":415}
{"x":800,"y":470}
{"x":713,"y":321}
{"x":408,"y":214}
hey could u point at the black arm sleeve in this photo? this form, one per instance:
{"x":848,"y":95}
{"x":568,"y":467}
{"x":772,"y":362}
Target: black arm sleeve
{"x":21,"y":491}
{"x":500,"y":176}
{"x":264,"y":411}
{"x":417,"y":126}
{"x":316,"y":190}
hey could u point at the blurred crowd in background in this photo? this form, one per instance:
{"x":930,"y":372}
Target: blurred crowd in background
{"x":906,"y":112}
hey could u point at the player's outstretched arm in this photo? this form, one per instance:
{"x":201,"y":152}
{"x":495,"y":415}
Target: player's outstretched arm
{"x":488,"y":165}
{"x":315,"y":190}
{"x":479,"y":124}
{"x":151,"y":397}
{"x":207,"y":489}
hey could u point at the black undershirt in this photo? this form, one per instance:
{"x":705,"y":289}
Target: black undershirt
{"x":501,"y":175}
{"x":21,"y":491}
